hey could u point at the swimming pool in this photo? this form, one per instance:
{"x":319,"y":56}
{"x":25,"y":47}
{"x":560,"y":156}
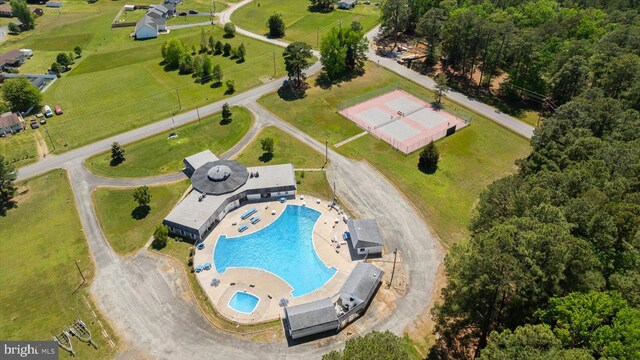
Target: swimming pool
{"x":284,"y":248}
{"x":243,"y":302}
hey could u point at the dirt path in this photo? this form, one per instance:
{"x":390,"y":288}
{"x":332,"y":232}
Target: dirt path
{"x":43,"y":149}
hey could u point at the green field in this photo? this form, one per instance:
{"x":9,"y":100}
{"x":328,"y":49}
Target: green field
{"x":469,"y":160}
{"x":39,"y":241}
{"x":302,"y":22}
{"x":117,"y":212}
{"x":119,"y":84}
{"x":314,"y":183}
{"x":287,"y":150}
{"x":19,"y":149}
{"x":159,"y":155}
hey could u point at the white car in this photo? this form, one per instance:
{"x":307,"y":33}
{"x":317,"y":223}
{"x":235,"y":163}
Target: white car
{"x":47,"y":111}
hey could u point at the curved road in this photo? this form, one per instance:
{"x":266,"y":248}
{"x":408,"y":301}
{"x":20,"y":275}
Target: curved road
{"x":146,"y":297}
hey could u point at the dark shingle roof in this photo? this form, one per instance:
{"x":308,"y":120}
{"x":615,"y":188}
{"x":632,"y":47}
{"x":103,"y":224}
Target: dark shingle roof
{"x":364,"y":233}
{"x":362,"y":280}
{"x":202,"y":181}
{"x":311,"y":314}
{"x":9,"y":119}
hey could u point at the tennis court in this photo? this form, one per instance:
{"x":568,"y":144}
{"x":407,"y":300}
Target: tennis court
{"x":403,"y":120}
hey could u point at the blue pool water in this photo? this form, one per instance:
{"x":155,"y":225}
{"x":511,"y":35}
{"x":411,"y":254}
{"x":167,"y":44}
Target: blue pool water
{"x":243,"y":302}
{"x":284,"y":248}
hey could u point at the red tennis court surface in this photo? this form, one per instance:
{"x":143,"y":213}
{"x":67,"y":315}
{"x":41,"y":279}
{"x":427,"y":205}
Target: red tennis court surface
{"x":402,"y":120}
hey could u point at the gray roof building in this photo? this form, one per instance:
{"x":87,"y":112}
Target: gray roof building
{"x":195,"y":161}
{"x":311,"y":318}
{"x":358,"y":290}
{"x":364,"y":233}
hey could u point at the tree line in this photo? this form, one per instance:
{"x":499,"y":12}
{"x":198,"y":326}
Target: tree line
{"x":554,"y":245}
{"x":547,"y":48}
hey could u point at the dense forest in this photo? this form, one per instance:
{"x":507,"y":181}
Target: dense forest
{"x":551,"y":50}
{"x":552,"y":268}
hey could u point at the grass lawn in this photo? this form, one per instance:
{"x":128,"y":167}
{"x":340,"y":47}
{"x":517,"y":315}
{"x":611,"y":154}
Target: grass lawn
{"x":39,"y":241}
{"x":303,"y":23}
{"x":287,"y":150}
{"x":314,"y":183}
{"x":127,"y":230}
{"x":19,"y":149}
{"x":469,"y":160}
{"x":160,"y":155}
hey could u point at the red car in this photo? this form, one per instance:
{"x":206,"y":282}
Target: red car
{"x":57,"y":110}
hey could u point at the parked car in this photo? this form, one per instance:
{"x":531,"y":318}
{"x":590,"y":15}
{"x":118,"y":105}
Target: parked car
{"x":184,"y":13}
{"x":39,"y":115}
{"x":193,"y":12}
{"x":58,"y":110}
{"x":47,"y":111}
{"x":34,"y":124}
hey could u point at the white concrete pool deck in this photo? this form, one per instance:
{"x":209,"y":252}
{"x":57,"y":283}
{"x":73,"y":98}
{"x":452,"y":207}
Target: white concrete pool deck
{"x":269,"y":287}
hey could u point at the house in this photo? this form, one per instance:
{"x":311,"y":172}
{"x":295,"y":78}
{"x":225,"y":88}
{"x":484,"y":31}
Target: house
{"x":5,"y":11}
{"x":167,"y":10}
{"x":174,"y":2}
{"x":347,"y":4}
{"x":311,"y":318}
{"x":358,"y":290}
{"x":146,"y":28}
{"x":54,"y":4}
{"x":364,"y":236}
{"x":13,"y":58}
{"x":154,"y":21}
{"x":220,"y":186}
{"x":10,"y":123}
{"x":38,"y":12}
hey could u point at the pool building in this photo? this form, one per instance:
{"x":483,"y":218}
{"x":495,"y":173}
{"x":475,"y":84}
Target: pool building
{"x":219,"y":186}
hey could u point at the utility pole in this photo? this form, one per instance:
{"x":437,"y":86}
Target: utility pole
{"x":179,"y":103}
{"x":326,"y":151}
{"x":274,"y":64}
{"x":317,"y":37}
{"x":46,"y":129}
{"x":340,"y":24}
{"x":80,"y":271}
{"x":198,"y":112}
{"x":393,"y":271}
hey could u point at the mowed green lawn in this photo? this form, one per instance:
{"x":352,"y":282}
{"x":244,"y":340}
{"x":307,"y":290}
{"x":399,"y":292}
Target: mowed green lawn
{"x":469,"y":160}
{"x":117,"y":212}
{"x":314,"y":183}
{"x":160,"y":155}
{"x":302,"y":22}
{"x":39,"y":241}
{"x":287,"y":150}
{"x":19,"y":149}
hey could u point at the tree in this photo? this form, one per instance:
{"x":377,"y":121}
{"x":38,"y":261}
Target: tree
{"x":117,"y":154}
{"x":142,"y":195}
{"x":600,"y":322}
{"x":77,"y":50}
{"x":324,"y":5}
{"x":267,"y":145}
{"x":333,"y":55}
{"x":172,"y":51}
{"x":529,"y":342}
{"x":276,"y":26}
{"x":8,"y":175}
{"x":297,"y":59}
{"x":212,"y":44}
{"x":570,"y":80}
{"x":241,"y":52}
{"x":21,"y":94}
{"x":64,"y":60}
{"x":394,"y":17}
{"x":441,"y":86}
{"x":375,"y":345}
{"x":71,"y":58}
{"x":203,"y":41}
{"x":21,"y":11}
{"x":160,"y":237}
{"x":186,"y":64}
{"x":13,"y":28}
{"x":231,"y":86}
{"x":428,"y":161}
{"x":229,"y":30}
{"x":218,"y":48}
{"x":56,"y":68}
{"x":226,"y":113}
{"x":217,"y":74}
{"x":207,"y":68}
{"x":226,"y":50}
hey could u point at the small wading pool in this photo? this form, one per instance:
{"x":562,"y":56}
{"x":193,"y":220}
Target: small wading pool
{"x":243,"y":302}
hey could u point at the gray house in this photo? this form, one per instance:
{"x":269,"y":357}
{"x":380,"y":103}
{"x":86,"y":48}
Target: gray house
{"x":347,"y":4}
{"x":311,"y":318}
{"x":357,"y":291}
{"x":220,"y":186}
{"x":365,"y":236}
{"x":9,"y":123}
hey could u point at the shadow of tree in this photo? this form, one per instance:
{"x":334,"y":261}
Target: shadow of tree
{"x":115,"y":162}
{"x":225,"y":121}
{"x":426,"y":170}
{"x":140,"y":212}
{"x":5,"y":206}
{"x":266,"y":157}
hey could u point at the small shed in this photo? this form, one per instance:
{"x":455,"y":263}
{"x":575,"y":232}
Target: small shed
{"x":365,"y":236}
{"x":54,"y":4}
{"x":129,"y":7}
{"x":5,"y":11}
{"x":311,"y":318}
{"x":347,"y":4}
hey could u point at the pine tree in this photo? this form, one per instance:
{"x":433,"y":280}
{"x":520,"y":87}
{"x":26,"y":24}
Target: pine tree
{"x":429,"y":156}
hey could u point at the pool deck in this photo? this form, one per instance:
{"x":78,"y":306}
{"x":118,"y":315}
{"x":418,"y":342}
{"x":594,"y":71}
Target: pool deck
{"x":267,"y":286}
